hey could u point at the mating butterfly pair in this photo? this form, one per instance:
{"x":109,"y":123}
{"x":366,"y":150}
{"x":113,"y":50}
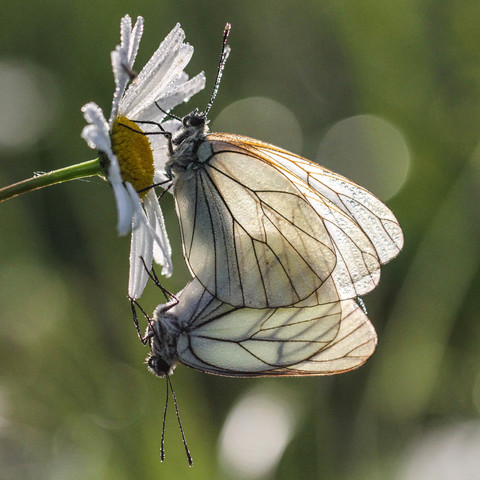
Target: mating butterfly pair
{"x":279,"y":249}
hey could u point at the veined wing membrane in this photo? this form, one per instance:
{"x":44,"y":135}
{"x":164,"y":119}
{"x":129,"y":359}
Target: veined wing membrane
{"x":370,"y":213}
{"x":249,"y":234}
{"x":217,"y":338}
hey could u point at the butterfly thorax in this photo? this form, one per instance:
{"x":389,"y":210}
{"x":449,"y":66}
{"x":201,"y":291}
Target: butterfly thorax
{"x":186,"y":152}
{"x":163,"y":334}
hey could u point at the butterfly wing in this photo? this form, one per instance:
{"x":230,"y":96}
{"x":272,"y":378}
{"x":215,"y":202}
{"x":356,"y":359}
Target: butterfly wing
{"x":370,"y":213}
{"x":220,"y":339}
{"x":364,"y":232}
{"x":249,"y":234}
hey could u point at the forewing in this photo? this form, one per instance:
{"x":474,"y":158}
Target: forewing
{"x":370,"y":213}
{"x":249,"y":234}
{"x":224,"y":340}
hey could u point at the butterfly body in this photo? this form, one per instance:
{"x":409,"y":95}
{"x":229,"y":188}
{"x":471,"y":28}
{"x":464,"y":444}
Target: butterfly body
{"x":264,"y":228}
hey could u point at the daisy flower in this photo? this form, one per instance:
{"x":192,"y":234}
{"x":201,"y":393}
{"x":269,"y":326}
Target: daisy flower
{"x":131,"y":160}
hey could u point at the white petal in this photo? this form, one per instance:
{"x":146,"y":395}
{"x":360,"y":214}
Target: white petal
{"x":178,"y":80}
{"x":160,"y":155}
{"x":160,"y":150}
{"x":149,"y":239}
{"x":164,"y":182}
{"x":159,"y":143}
{"x":141,"y":246}
{"x":161,"y":70}
{"x":123,"y":199}
{"x":123,"y":58}
{"x":94,"y":114}
{"x":180,"y":92}
{"x":125,"y":30}
{"x":160,"y":80}
{"x":96,"y":134}
{"x":98,"y":128}
{"x":160,"y":177}
{"x":171,"y":125}
{"x":162,"y":250}
{"x":134,"y":41}
{"x":122,"y":77}
{"x":95,"y":138}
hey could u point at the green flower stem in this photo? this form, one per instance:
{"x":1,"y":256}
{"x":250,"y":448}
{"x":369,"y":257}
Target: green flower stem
{"x":81,"y":170}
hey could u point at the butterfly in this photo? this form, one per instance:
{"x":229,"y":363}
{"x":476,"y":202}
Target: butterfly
{"x":263,"y":228}
{"x":200,"y":331}
{"x":323,"y":336}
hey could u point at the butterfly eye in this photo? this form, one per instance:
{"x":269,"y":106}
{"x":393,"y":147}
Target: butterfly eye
{"x":194,"y":119}
{"x":197,"y":120}
{"x":158,"y":366}
{"x":151,"y":362}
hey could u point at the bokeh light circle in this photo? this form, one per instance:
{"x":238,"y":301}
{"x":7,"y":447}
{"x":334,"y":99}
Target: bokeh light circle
{"x":261,"y":118}
{"x":369,"y":150}
{"x":29,"y":103}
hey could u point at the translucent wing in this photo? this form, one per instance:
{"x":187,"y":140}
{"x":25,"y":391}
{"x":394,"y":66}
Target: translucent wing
{"x":249,"y":234}
{"x":363,"y":230}
{"x":371,"y":214}
{"x":217,"y":338}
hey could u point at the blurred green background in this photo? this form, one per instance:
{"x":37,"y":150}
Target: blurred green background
{"x":386,"y":93}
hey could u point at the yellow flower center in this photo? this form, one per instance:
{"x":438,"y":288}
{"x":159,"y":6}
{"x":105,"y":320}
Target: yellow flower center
{"x":134,"y":153}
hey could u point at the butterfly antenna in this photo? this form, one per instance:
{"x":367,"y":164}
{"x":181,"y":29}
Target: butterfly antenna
{"x":168,"y":114}
{"x":162,"y":443}
{"x":187,"y":451}
{"x":221,"y":65}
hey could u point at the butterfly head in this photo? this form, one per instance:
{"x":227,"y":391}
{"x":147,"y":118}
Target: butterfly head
{"x":195,"y":119}
{"x":163,"y":343}
{"x":159,"y":366}
{"x":193,"y":131}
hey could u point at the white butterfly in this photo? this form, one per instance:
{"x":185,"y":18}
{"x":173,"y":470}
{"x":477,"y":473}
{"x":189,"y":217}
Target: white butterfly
{"x":262,"y":227}
{"x":202,"y":332}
